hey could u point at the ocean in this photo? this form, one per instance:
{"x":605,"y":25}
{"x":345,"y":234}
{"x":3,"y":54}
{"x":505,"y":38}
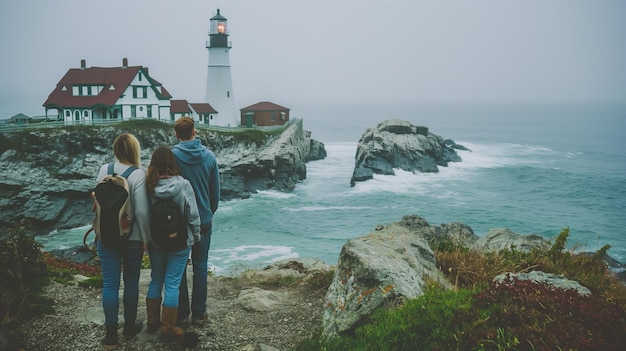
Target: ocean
{"x":532,"y":168}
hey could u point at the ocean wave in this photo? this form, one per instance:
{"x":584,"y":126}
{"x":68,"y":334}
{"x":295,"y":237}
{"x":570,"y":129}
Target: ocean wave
{"x":325,"y":208}
{"x":252,"y":253}
{"x":274,"y":194}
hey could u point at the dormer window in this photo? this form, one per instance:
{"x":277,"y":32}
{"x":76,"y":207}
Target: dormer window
{"x":111,"y":87}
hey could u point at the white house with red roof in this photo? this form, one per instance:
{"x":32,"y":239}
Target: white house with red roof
{"x":202,"y":113}
{"x":88,"y":94}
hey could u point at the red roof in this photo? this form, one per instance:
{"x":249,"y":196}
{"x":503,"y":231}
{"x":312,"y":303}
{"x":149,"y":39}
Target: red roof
{"x":203,"y":108}
{"x":179,"y":106}
{"x":265,"y":106}
{"x":114,"y":80}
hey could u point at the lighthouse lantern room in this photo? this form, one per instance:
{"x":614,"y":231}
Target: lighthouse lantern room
{"x":219,"y":85}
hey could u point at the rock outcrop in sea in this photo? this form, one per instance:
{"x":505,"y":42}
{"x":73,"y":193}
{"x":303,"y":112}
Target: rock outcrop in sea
{"x":48,"y":173}
{"x":397,"y":144}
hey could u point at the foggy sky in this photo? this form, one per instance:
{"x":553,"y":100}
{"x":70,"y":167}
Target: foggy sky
{"x":299,"y":51}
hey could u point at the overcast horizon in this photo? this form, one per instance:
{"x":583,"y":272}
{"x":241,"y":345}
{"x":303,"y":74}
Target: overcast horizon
{"x":291,"y":52}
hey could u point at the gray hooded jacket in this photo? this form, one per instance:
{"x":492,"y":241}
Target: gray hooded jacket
{"x":180,"y":190}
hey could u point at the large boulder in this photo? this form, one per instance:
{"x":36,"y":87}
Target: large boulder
{"x":383,"y":268}
{"x":397,"y":144}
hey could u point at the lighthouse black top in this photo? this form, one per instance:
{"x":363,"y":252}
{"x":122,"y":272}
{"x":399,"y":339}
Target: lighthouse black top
{"x":218,"y":31}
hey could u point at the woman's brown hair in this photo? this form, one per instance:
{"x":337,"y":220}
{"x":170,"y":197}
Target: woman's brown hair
{"x":162,"y":164}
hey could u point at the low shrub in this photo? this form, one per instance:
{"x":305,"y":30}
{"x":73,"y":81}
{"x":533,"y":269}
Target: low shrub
{"x":22,"y":277}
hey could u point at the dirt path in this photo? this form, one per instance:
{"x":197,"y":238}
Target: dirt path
{"x":78,"y":318}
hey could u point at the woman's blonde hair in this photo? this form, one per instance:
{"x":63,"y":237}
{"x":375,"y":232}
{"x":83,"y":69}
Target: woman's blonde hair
{"x":127,"y":150}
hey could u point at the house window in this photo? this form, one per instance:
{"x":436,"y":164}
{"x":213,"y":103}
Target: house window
{"x":273,"y":116}
{"x":228,"y":94}
{"x":133,"y":111}
{"x":140,"y":76}
{"x":68,"y":113}
{"x":140,"y":92}
{"x":77,"y":115}
{"x":85,"y":113}
{"x":149,"y":111}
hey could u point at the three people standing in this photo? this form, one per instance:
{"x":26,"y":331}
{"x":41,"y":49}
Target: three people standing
{"x":190,"y":174}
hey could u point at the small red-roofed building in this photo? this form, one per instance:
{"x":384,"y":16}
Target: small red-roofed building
{"x":264,"y":113}
{"x":202,"y":113}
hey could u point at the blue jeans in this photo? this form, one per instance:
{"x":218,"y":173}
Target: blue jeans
{"x":113,"y":262}
{"x":167,"y":269}
{"x":200,"y":265}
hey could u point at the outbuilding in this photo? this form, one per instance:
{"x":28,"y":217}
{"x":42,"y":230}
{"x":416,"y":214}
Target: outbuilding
{"x":264,"y":113}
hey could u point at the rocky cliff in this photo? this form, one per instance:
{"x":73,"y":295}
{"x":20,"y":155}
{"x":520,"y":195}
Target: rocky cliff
{"x":46,"y":175}
{"x":397,"y":144}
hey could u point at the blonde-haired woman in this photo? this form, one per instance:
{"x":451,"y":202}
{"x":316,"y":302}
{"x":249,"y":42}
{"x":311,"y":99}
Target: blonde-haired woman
{"x":125,"y":257}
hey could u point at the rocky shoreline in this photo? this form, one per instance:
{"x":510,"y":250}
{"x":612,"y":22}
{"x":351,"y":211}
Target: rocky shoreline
{"x":296,"y":299}
{"x":48,"y":173}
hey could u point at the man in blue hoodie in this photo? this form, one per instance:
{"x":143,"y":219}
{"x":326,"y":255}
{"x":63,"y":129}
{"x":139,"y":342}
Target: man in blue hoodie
{"x":199,"y":166}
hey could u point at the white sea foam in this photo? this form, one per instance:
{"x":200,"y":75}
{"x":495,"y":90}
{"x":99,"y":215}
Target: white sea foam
{"x":325,"y":208}
{"x":274,"y":194}
{"x":252,"y":253}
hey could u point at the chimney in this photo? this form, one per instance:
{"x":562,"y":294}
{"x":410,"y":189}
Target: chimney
{"x":124,"y":62}
{"x":83,"y":63}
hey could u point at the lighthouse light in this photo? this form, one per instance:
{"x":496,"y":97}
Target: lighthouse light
{"x":221,"y":28}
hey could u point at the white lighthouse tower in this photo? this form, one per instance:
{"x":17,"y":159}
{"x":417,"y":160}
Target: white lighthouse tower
{"x":219,"y":84}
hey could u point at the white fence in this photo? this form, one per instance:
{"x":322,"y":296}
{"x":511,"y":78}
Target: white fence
{"x":9,"y":127}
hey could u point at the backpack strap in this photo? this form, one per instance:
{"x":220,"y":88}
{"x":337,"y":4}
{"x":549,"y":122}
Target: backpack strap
{"x":110,"y":168}
{"x":128,"y":171}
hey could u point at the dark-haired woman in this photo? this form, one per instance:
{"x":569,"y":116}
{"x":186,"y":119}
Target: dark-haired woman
{"x":163,"y":181}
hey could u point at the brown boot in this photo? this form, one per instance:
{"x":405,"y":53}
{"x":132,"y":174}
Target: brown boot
{"x":153,"y":307}
{"x":170,"y":331}
{"x":110,"y":339}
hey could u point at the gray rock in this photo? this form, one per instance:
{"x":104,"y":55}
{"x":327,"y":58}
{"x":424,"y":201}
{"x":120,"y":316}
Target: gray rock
{"x":376,"y":271}
{"x":502,"y":238}
{"x":551,"y":279}
{"x":397,"y":144}
{"x":256,"y":299}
